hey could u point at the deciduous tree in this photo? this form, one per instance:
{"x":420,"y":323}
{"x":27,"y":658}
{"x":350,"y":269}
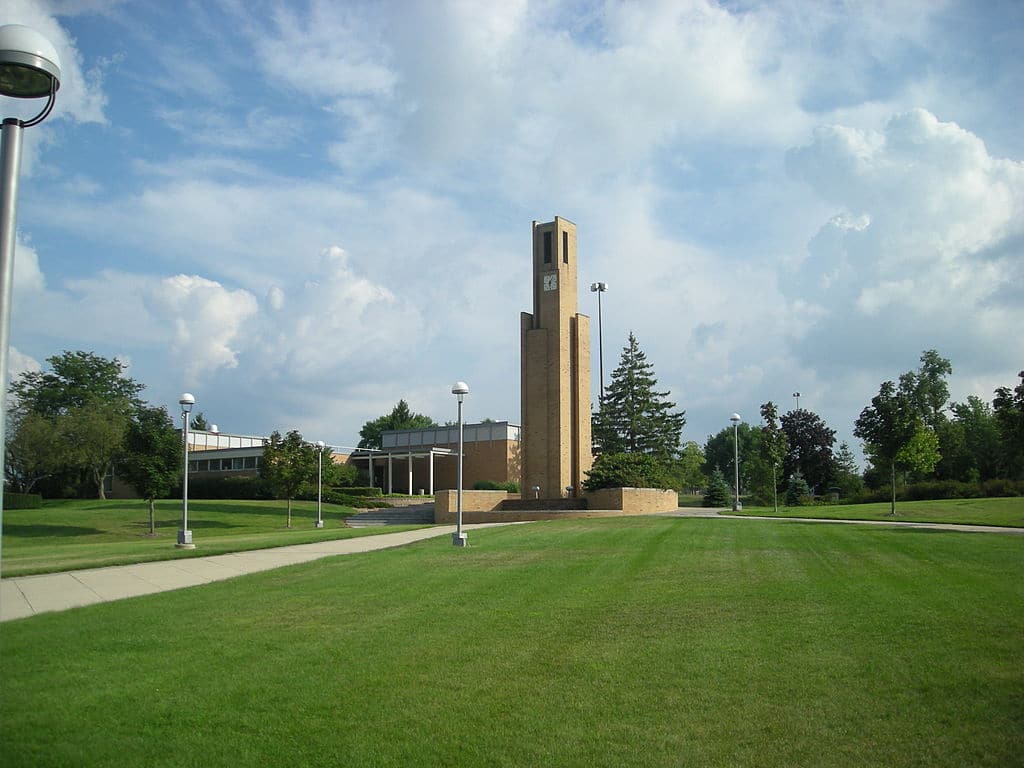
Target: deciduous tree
{"x":1008,"y":406}
{"x":288,"y":463}
{"x":153,"y":456}
{"x":773,"y":445}
{"x":809,"y":443}
{"x":399,"y":418}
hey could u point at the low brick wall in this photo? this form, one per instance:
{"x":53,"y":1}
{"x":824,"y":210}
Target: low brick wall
{"x":492,"y":506}
{"x":634,"y":501}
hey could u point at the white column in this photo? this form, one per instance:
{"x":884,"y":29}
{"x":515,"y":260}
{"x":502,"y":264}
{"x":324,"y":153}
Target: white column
{"x":431,"y":471}
{"x":410,"y":473}
{"x":391,"y":472}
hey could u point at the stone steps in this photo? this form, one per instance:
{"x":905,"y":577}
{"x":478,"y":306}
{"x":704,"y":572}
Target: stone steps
{"x":420,"y":514}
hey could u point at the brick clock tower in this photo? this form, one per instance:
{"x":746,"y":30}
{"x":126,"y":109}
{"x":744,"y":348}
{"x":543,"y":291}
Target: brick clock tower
{"x":555,"y":391}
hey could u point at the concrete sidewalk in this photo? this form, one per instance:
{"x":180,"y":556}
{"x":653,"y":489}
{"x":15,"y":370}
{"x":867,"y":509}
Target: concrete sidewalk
{"x":23,"y":596}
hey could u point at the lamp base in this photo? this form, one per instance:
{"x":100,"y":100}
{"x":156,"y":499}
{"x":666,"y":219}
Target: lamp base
{"x":319,"y":523}
{"x":460,"y":539}
{"x":185,"y":540}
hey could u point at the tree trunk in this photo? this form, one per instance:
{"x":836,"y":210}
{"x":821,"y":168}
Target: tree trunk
{"x":152,"y":516}
{"x":892,"y":507}
{"x":775,"y":490}
{"x":289,"y":512}
{"x":98,"y":479}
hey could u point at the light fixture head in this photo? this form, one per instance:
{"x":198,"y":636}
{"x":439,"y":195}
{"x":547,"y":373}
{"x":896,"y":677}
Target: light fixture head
{"x":598,"y":287}
{"x":460,"y":388}
{"x":29,"y":64}
{"x":214,"y":429}
{"x":186,"y":402}
{"x":320,"y":445}
{"x":735,"y":419}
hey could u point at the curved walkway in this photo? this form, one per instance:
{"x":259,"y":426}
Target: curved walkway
{"x":23,"y":596}
{"x":962,"y":527}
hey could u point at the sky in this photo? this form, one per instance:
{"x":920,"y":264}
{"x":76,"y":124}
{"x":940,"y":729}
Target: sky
{"x":302,"y":212}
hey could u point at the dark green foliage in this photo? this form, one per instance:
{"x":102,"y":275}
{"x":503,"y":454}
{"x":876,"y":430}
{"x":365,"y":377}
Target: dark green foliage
{"x":153,"y":456}
{"x":288,"y":463}
{"x":633,"y":417}
{"x":508,"y":486}
{"x":14,"y":500}
{"x":399,"y":418}
{"x":946,"y":489}
{"x":755,"y":472}
{"x":798,"y":493}
{"x":899,"y":427}
{"x":847,"y":475}
{"x":688,"y":470}
{"x":339,"y":496}
{"x":773,"y":448}
{"x":356,"y":490}
{"x":199,"y":422}
{"x":243,"y":488}
{"x":627,"y":470}
{"x":75,"y":380}
{"x":718,"y":493}
{"x":1008,"y":407}
{"x":969,"y":443}
{"x":809,"y":443}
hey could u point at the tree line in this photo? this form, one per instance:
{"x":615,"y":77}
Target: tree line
{"x":910,"y":430}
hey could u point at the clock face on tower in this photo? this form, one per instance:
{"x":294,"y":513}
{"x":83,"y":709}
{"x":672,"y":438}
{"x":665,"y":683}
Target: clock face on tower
{"x":551,"y":281}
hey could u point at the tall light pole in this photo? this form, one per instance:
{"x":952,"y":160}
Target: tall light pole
{"x":185,"y":535}
{"x":320,"y":445}
{"x":460,"y":389}
{"x":797,"y":396}
{"x":600,"y":288}
{"x":735,"y":419}
{"x":29,"y":69}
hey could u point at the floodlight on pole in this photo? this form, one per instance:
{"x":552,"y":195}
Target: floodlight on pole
{"x":185,"y":535}
{"x":737,"y":505}
{"x":460,"y":389}
{"x":797,"y":396}
{"x":600,"y":288}
{"x":29,"y":69}
{"x":320,"y":445}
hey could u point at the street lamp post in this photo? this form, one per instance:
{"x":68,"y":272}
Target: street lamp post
{"x":737,"y":505}
{"x":29,"y":69}
{"x":600,"y":288}
{"x":320,"y":445}
{"x":460,"y":389}
{"x":797,"y":396}
{"x":185,"y":535}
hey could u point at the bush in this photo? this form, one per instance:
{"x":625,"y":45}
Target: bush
{"x":247,"y":488}
{"x":361,"y":490}
{"x":718,"y":493}
{"x":490,"y":485}
{"x":340,"y":497}
{"x":627,"y":470}
{"x":22,"y":500}
{"x":798,"y":493}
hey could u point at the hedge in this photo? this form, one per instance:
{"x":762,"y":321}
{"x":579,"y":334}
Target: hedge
{"x":22,"y":500}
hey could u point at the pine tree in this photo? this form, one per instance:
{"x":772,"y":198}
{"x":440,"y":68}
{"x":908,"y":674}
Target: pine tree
{"x":633,"y":417}
{"x":718,"y":493}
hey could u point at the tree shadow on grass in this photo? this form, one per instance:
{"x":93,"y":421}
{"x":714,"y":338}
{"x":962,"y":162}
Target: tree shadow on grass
{"x":43,"y":531}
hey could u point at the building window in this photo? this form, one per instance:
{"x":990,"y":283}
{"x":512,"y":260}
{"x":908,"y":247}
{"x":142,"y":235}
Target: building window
{"x":250,"y":462}
{"x":547,"y":247}
{"x":565,"y":247}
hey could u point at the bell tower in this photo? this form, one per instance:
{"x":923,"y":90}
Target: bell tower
{"x":555,"y":389}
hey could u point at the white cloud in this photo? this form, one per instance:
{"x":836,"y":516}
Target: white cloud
{"x":934,"y":255}
{"x":207,"y":318}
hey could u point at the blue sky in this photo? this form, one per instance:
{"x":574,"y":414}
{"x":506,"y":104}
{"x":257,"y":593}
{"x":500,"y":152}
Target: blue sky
{"x":303,"y":211}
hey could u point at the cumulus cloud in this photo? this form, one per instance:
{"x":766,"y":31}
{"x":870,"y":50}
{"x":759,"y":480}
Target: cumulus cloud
{"x":927,"y":244}
{"x":207,"y":318}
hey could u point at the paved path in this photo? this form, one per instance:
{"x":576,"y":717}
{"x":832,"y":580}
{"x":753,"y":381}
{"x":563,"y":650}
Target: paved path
{"x":701,"y":512}
{"x":23,"y":596}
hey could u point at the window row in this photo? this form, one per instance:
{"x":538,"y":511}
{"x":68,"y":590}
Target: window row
{"x":225,"y":465}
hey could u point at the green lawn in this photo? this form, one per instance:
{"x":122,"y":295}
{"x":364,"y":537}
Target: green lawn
{"x":625,"y":641}
{"x":1004,"y":512}
{"x":67,"y":535}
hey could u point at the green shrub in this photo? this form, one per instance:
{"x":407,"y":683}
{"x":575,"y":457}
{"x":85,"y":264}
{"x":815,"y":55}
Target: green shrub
{"x":361,"y":490}
{"x":245,"y":488}
{"x":627,"y":470}
{"x":717,"y":493}
{"x":798,"y":493}
{"x":22,"y":500}
{"x":490,"y":485}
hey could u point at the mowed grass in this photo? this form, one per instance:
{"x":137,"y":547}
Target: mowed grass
{"x":628,"y":641}
{"x":1001,"y":512}
{"x":73,"y":534}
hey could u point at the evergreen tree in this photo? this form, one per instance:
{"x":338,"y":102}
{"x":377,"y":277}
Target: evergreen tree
{"x":718,"y":493}
{"x":848,"y":477}
{"x":633,"y":416}
{"x":797,"y":491}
